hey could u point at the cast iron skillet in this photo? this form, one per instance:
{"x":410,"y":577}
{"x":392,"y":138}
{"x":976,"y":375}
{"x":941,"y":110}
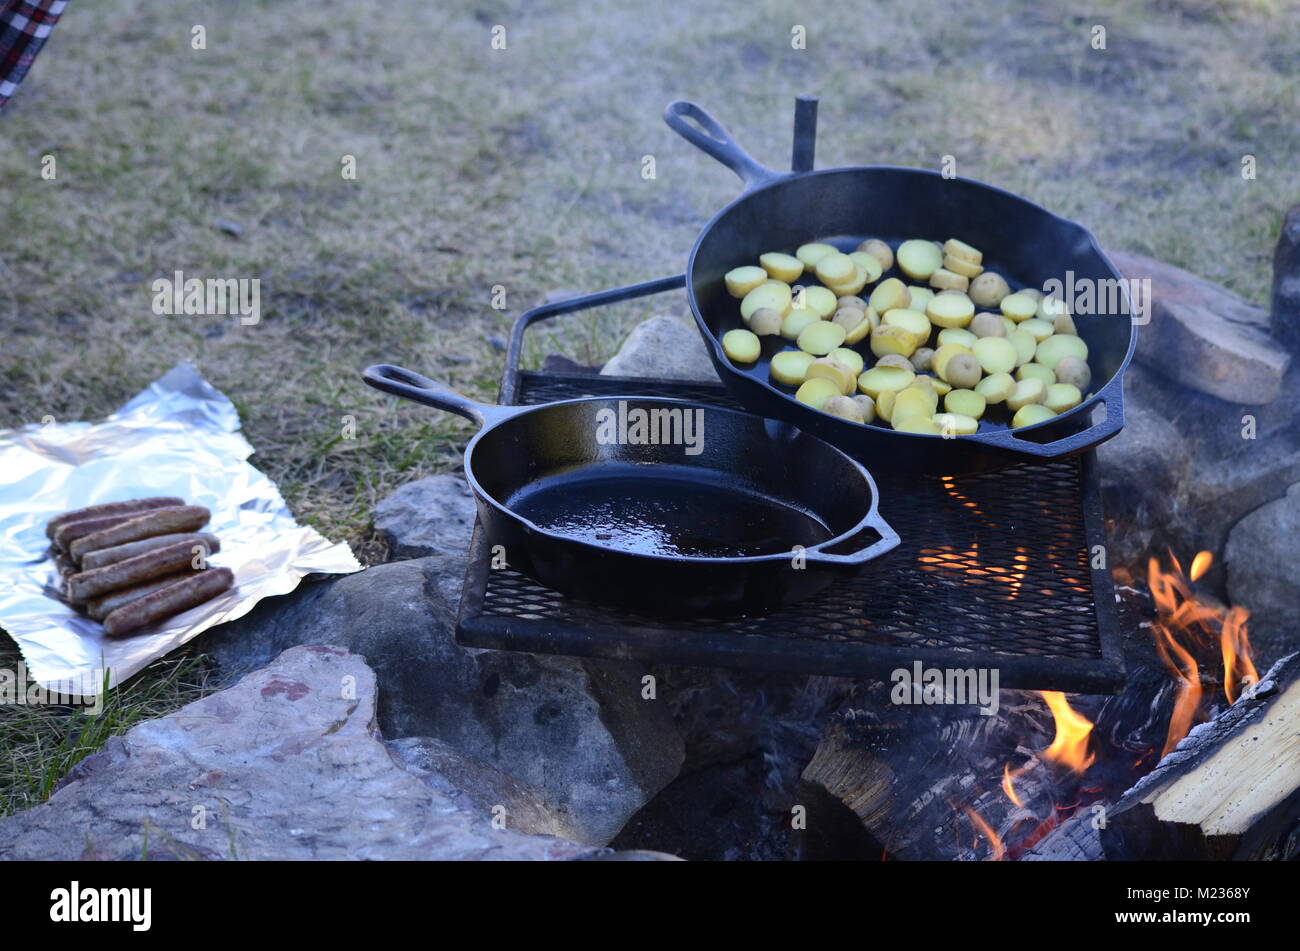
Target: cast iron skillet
{"x":779,"y":211}
{"x":655,"y":528}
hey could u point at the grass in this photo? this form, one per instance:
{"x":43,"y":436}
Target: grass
{"x":522,"y":168}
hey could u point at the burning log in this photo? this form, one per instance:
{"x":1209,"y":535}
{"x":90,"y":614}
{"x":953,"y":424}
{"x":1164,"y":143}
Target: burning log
{"x":1204,"y":336}
{"x":1230,"y":790}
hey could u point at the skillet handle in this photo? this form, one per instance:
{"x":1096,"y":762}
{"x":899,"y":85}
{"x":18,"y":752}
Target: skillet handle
{"x":412,"y":386}
{"x":716,"y":141}
{"x":1112,"y":394}
{"x":872,"y":525}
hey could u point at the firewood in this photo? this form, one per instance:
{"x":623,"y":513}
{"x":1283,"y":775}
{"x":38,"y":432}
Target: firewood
{"x":1231,"y":789}
{"x":1205,"y":336}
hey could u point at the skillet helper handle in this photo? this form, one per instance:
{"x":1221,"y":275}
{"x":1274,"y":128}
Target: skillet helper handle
{"x":1112,"y":395}
{"x":711,"y":138}
{"x":412,"y":386}
{"x":871,"y":526}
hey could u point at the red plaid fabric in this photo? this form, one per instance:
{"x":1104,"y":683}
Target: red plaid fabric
{"x":24,"y":27}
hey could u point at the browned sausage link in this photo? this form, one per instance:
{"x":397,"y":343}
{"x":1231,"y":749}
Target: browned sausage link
{"x":129,"y":507}
{"x":101,"y":607}
{"x":183,"y":518}
{"x":123,"y":574}
{"x":107,"y":556}
{"x":71,"y":531}
{"x":168,"y":601}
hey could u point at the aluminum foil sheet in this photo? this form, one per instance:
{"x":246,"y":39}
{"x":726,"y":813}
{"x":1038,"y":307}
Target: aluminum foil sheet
{"x":179,"y":437}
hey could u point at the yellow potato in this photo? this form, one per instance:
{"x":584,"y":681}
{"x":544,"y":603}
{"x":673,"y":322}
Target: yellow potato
{"x":965,"y":402}
{"x":946,"y":280}
{"x":995,"y":354}
{"x":912,"y":321}
{"x":1050,"y":307}
{"x":912,"y":401}
{"x":1051,"y":351}
{"x":867,"y":406}
{"x":888,"y":338}
{"x":791,"y":367}
{"x":860,"y":331}
{"x":796,"y":322}
{"x":850,"y":358}
{"x":820,"y":338}
{"x":1025,"y":344}
{"x":845,"y":407}
{"x":810,"y":254}
{"x":1008,"y":324}
{"x":988,"y":289}
{"x":942,"y":387}
{"x":950,"y":310}
{"x":884,"y":404}
{"x":742,"y":346}
{"x":1036,"y":371}
{"x":1019,"y":306}
{"x":820,"y":301}
{"x":1064,"y":324}
{"x":922,"y":359}
{"x":919,"y":259}
{"x":956,"y":424}
{"x":827,"y":368}
{"x":781,"y":267}
{"x":1040,"y":330}
{"x":765,"y":321}
{"x":1062,"y":396}
{"x":921,"y":297}
{"x":958,"y":266}
{"x":816,"y":392}
{"x":851,"y":301}
{"x":740,"y":281}
{"x":944,"y":354}
{"x":879,"y":380}
{"x":962,"y":371}
{"x":918,"y":424}
{"x":956,"y":248}
{"x":880,"y":251}
{"x":988,"y":325}
{"x":888,"y":294}
{"x":772,"y":294}
{"x":869,"y":263}
{"x":1026,"y":392}
{"x":1074,"y":371}
{"x":1030,"y":414}
{"x":996,"y":388}
{"x":836,"y":268}
{"x":958,"y":335}
{"x":1033,"y":293}
{"x":851,"y":286}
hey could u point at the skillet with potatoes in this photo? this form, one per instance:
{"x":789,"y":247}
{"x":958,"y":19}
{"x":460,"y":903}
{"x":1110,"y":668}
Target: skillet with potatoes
{"x":786,"y":269}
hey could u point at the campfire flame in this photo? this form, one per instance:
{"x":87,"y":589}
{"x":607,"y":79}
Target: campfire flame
{"x":1070,"y":746}
{"x":1007,"y":786}
{"x":1184,"y":623}
{"x":997,"y":851}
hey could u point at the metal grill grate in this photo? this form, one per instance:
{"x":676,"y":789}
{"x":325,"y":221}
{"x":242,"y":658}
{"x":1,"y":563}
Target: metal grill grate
{"x":993,"y":570}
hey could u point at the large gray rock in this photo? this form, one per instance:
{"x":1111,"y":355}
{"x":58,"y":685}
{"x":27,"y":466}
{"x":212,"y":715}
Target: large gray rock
{"x":286,"y":764}
{"x":1284,"y":321}
{"x":433,"y":516}
{"x":1263,"y":550}
{"x":664,"y":348}
{"x":575,"y":732}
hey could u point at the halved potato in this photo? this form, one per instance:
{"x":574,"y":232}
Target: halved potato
{"x":950,"y":310}
{"x":820,"y":338}
{"x":957,"y":335}
{"x":995,"y":354}
{"x":790,"y":366}
{"x":879,"y":380}
{"x":813,"y":252}
{"x":816,"y":392}
{"x":742,"y":346}
{"x":1019,"y":306}
{"x":966,"y":402}
{"x":796,"y":322}
{"x":956,"y":424}
{"x":889,"y":338}
{"x":774,"y":294}
{"x":918,"y":259}
{"x":741,"y":280}
{"x":996,"y":388}
{"x":1029,"y":414}
{"x":888,"y":294}
{"x":880,"y":251}
{"x":820,"y":301}
{"x":1051,"y":351}
{"x":780,"y":266}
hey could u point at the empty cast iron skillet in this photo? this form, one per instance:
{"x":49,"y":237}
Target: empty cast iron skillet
{"x":1023,"y":242}
{"x":584,"y":505}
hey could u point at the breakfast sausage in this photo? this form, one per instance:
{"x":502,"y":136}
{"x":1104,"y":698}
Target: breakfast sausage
{"x":129,"y":507}
{"x":107,"y":556}
{"x":101,"y":607}
{"x":69,"y":532}
{"x":168,"y":601}
{"x":130,"y":571}
{"x":181,"y":518}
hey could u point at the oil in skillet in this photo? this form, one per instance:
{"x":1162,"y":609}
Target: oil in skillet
{"x":668,"y":516}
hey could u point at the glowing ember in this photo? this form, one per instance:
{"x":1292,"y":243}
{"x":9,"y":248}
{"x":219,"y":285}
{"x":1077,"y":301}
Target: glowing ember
{"x":1070,"y":746}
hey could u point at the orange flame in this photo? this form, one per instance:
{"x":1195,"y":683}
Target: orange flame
{"x":1070,"y":745}
{"x":1007,"y":787}
{"x":1179,"y":612}
{"x":998,"y":850}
